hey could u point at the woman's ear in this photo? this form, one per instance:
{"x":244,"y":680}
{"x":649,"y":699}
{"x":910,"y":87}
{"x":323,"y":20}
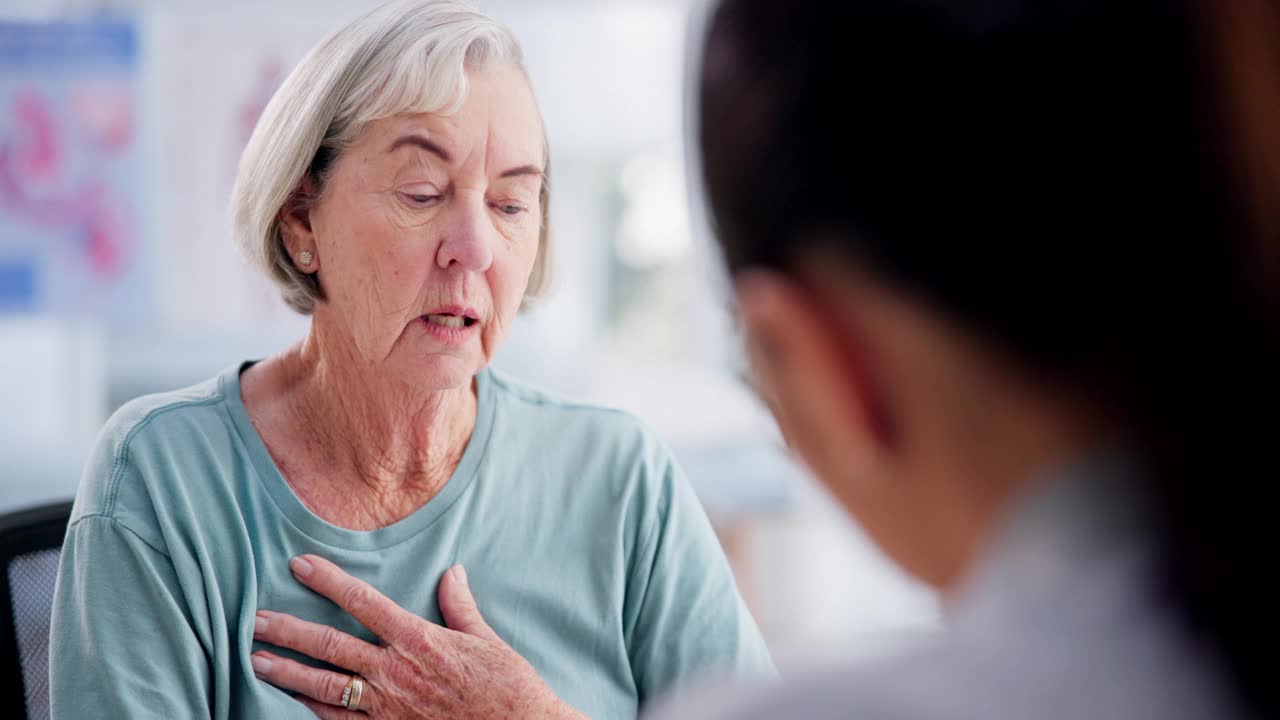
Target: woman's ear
{"x":817,"y":377}
{"x":295,"y":228}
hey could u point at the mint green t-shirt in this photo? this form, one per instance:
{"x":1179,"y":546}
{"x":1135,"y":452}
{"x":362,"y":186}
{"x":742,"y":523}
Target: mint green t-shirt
{"x":584,"y":545}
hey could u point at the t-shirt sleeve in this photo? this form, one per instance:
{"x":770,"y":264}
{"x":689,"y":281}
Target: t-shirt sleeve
{"x":124,"y":639}
{"x":122,"y":643}
{"x":684,"y":617}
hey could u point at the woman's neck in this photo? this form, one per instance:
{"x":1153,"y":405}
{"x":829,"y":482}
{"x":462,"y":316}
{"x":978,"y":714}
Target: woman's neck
{"x":362,"y":449}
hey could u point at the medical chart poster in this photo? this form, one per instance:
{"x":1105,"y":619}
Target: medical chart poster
{"x":71,"y":172}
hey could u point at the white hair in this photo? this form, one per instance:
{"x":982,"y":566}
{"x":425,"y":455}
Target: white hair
{"x":405,"y":56}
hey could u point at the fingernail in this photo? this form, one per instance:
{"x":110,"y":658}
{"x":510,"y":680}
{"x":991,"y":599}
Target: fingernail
{"x":300,"y":567}
{"x":259,"y":625}
{"x":460,"y":574}
{"x":261,"y":665}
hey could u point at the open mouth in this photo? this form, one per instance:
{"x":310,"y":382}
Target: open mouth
{"x":450,"y":320}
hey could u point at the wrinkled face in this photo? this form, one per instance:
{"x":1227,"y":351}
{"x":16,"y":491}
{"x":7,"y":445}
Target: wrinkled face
{"x":427,"y":231}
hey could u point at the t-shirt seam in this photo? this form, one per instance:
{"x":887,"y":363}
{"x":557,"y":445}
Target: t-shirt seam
{"x":121,"y":460}
{"x":347,"y":548}
{"x":482,"y":461}
{"x":537,"y":398}
{"x":121,"y":525}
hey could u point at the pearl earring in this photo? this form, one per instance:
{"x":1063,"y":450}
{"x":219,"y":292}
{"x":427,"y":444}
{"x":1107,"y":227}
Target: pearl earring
{"x":305,"y":257}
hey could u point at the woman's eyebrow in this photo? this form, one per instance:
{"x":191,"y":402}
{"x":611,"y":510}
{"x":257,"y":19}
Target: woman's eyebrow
{"x":431,"y":147}
{"x":522,"y":170}
{"x":419,"y":141}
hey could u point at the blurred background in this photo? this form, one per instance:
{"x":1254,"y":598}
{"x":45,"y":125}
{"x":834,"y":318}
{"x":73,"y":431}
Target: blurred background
{"x":121,"y":124}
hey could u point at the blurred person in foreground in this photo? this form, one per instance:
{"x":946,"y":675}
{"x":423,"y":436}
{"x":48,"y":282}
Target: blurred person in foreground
{"x":396,"y":191}
{"x":1007,"y":271}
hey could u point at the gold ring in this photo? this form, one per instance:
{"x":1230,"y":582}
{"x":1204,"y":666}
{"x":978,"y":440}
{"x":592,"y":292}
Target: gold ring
{"x":353,"y":693}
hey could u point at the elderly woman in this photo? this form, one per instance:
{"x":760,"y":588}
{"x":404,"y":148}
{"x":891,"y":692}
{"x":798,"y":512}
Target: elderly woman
{"x":395,"y":189}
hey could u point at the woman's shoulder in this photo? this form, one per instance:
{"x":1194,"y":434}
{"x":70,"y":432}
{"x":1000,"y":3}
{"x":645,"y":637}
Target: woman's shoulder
{"x":140,"y":413}
{"x":152,"y":435}
{"x":614,"y":448}
{"x":561,"y":415}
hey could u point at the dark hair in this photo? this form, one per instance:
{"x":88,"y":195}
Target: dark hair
{"x":1060,"y":177}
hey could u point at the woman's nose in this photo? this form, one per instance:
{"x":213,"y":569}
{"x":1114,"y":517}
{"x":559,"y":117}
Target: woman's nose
{"x":468,"y":241}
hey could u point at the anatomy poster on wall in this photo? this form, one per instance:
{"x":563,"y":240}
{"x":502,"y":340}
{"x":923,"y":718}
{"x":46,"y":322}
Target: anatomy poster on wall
{"x":214,"y":74}
{"x":71,"y":173}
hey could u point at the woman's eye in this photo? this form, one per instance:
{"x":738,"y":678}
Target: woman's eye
{"x":421,"y":200}
{"x":510,"y":209}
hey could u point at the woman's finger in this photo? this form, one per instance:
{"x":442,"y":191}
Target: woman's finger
{"x":458,"y":605}
{"x":374,"y":610}
{"x":315,"y":640}
{"x":323,"y":686}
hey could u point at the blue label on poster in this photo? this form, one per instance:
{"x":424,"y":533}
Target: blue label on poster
{"x":17,"y":286}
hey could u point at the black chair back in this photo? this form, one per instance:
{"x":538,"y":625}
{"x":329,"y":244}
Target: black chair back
{"x":30,"y":546}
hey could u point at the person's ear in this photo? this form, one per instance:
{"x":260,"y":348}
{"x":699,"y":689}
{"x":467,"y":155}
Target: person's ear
{"x":295,"y":228}
{"x":817,"y":377}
